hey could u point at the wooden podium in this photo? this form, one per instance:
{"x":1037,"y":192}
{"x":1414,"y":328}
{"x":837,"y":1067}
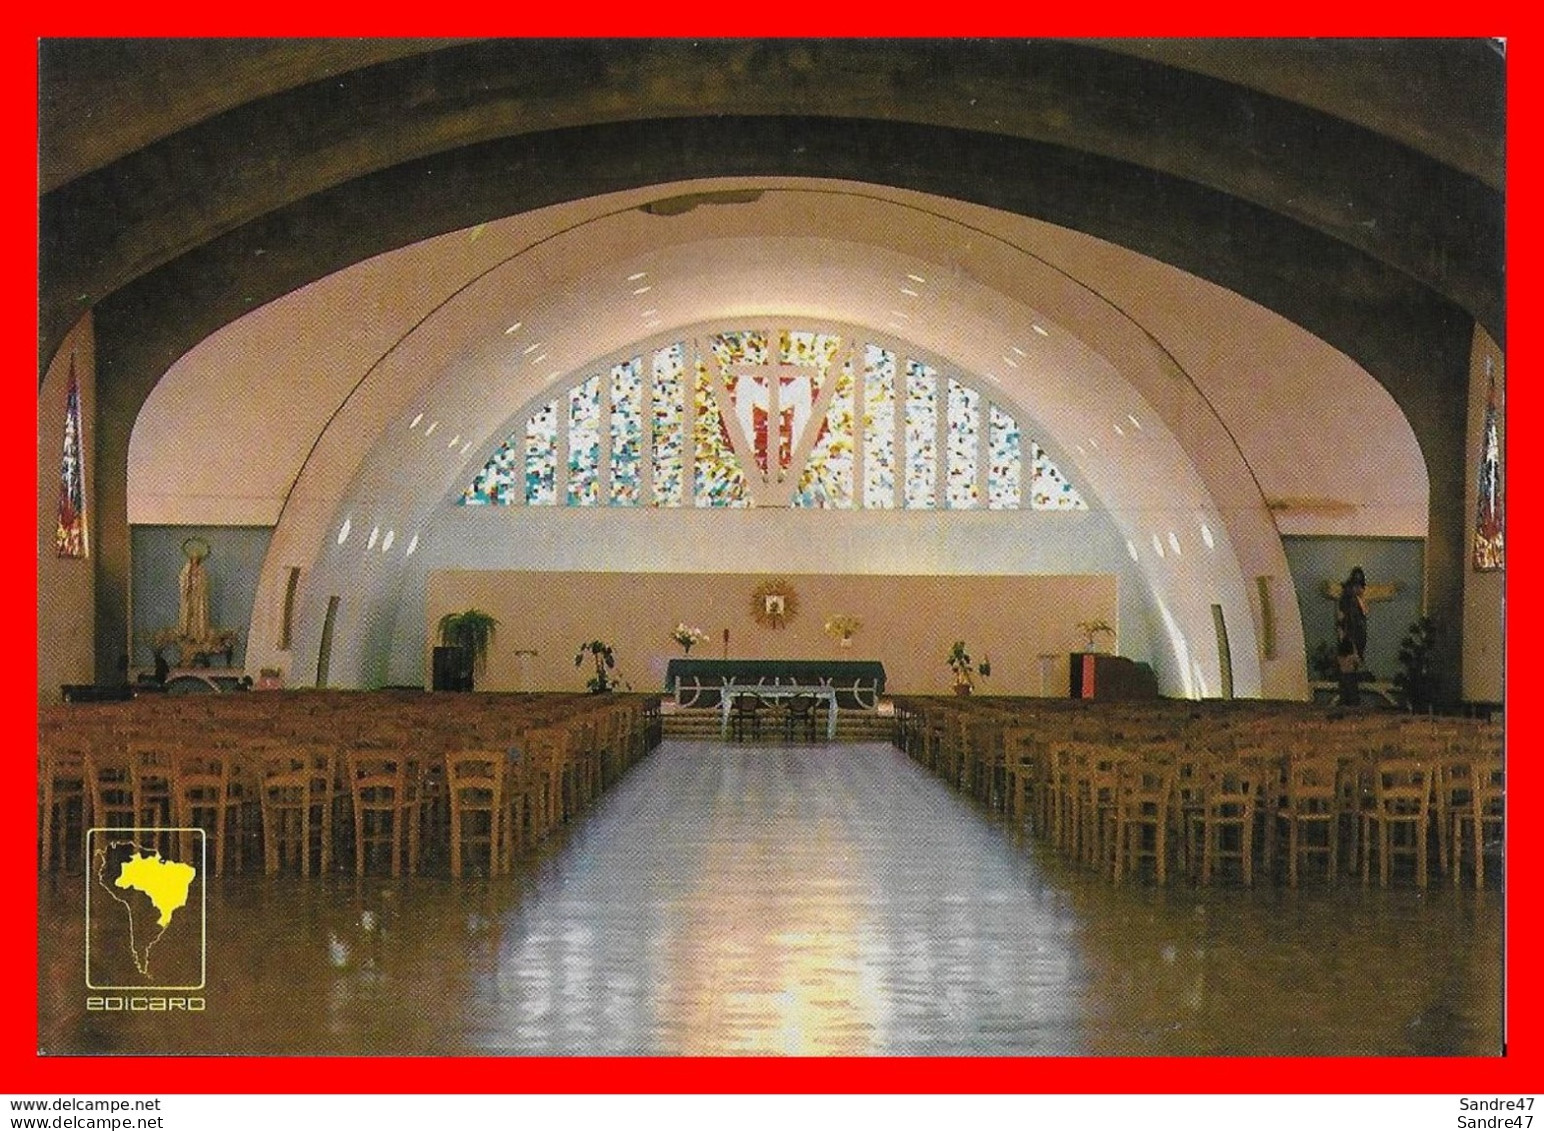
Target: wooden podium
{"x":1098,"y":675}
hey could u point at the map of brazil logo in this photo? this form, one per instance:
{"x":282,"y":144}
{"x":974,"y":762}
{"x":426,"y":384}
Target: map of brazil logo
{"x":145,"y":909}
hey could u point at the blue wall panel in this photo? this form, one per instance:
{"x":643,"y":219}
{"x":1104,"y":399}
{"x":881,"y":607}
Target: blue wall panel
{"x":235,"y":560}
{"x":1314,"y":560}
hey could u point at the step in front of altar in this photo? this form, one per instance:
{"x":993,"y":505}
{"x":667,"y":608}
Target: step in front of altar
{"x":851,"y":726}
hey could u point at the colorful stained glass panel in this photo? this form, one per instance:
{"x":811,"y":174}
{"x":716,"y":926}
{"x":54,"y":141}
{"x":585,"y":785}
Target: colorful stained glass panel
{"x":669,"y":433}
{"x":541,"y":457}
{"x":718,"y":480}
{"x":878,"y":428}
{"x":627,"y":433}
{"x":1050,"y":490}
{"x":70,"y":528}
{"x":828,"y":475}
{"x":1489,"y":533}
{"x":921,"y":436}
{"x":1004,"y":467}
{"x":964,"y":408}
{"x":584,"y":443}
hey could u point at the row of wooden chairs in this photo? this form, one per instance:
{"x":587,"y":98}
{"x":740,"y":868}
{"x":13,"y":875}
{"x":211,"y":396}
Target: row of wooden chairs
{"x":470,"y":778}
{"x":1225,"y":790}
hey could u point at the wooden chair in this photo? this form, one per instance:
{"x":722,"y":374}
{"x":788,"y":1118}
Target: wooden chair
{"x":1485,"y":817}
{"x":1311,"y":802}
{"x":474,"y":783}
{"x":383,"y":792}
{"x":799,"y":715}
{"x":296,"y":790}
{"x":1143,"y":790}
{"x":1401,"y":801}
{"x":745,"y":717}
{"x":1095,"y":781}
{"x":1228,"y":812}
{"x":151,"y":764}
{"x":1023,"y":775}
{"x":206,"y":794}
{"x":110,"y":785}
{"x":64,"y":803}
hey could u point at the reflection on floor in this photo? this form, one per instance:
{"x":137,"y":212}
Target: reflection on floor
{"x":803,"y":900}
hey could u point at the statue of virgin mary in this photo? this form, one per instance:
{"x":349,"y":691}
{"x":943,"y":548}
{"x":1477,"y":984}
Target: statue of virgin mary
{"x":193,"y":599}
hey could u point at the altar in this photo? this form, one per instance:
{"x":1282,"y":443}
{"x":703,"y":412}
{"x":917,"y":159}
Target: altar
{"x":856,"y":685}
{"x":728,"y":693}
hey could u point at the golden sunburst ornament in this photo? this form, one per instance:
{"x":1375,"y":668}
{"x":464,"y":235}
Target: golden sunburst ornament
{"x":774,"y":604}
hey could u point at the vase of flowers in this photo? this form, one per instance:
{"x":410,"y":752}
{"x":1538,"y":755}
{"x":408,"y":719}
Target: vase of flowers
{"x":684,"y":635}
{"x":841,"y":628}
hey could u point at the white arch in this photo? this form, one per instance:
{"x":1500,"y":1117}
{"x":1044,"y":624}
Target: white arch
{"x":822,"y":253}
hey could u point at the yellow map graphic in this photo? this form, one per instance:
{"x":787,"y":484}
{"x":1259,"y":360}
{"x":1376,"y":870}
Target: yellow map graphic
{"x":166,"y":883}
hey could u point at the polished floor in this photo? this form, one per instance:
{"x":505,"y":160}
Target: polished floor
{"x":775,"y":899}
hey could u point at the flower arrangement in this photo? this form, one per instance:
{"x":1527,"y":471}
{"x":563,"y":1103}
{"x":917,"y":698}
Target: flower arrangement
{"x":195,"y":649}
{"x":684,"y":635}
{"x":842,"y":626}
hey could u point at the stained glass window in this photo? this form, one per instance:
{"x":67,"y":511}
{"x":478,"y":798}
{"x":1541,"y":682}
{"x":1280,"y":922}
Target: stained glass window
{"x":541,"y":456}
{"x":669,"y":436}
{"x":1050,"y":490}
{"x":1489,"y":536}
{"x":719,"y":482}
{"x":627,"y":433}
{"x":1003,"y":464}
{"x":584,"y":443}
{"x":874,"y":430}
{"x":828,"y":475}
{"x":878,"y":428}
{"x":70,"y":530}
{"x":964,"y":420}
{"x":921,"y":436}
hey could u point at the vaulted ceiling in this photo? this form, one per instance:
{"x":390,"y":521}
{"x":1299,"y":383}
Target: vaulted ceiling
{"x":1355,"y":188}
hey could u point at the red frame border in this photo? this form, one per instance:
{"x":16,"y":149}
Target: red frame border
{"x":22,"y":1070}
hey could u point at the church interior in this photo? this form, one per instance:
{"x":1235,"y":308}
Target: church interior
{"x":762,"y":547}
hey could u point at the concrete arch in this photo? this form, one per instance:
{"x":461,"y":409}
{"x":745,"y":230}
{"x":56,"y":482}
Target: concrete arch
{"x":1384,"y":241}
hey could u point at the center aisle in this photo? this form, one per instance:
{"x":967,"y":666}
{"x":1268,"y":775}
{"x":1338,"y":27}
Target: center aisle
{"x":787,"y":900}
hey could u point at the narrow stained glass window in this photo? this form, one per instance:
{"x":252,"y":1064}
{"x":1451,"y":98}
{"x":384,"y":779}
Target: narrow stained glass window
{"x":719,"y":481}
{"x":961,"y":492}
{"x":1004,"y":468}
{"x":1489,"y":538}
{"x":878,"y":428}
{"x":1050,"y":490}
{"x":828,"y":476}
{"x":921,"y":436}
{"x":669,"y":426}
{"x":627,"y":432}
{"x":584,"y":443}
{"x":70,"y":530}
{"x":541,"y":457}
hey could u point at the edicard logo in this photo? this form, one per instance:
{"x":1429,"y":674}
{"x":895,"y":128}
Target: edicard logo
{"x":146,"y":926}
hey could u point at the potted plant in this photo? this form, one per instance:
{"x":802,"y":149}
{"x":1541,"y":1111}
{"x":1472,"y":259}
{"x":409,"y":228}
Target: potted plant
{"x":605,"y":660}
{"x":1092,"y":630}
{"x":965,"y":669}
{"x":464,"y":641}
{"x":1416,"y":680}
